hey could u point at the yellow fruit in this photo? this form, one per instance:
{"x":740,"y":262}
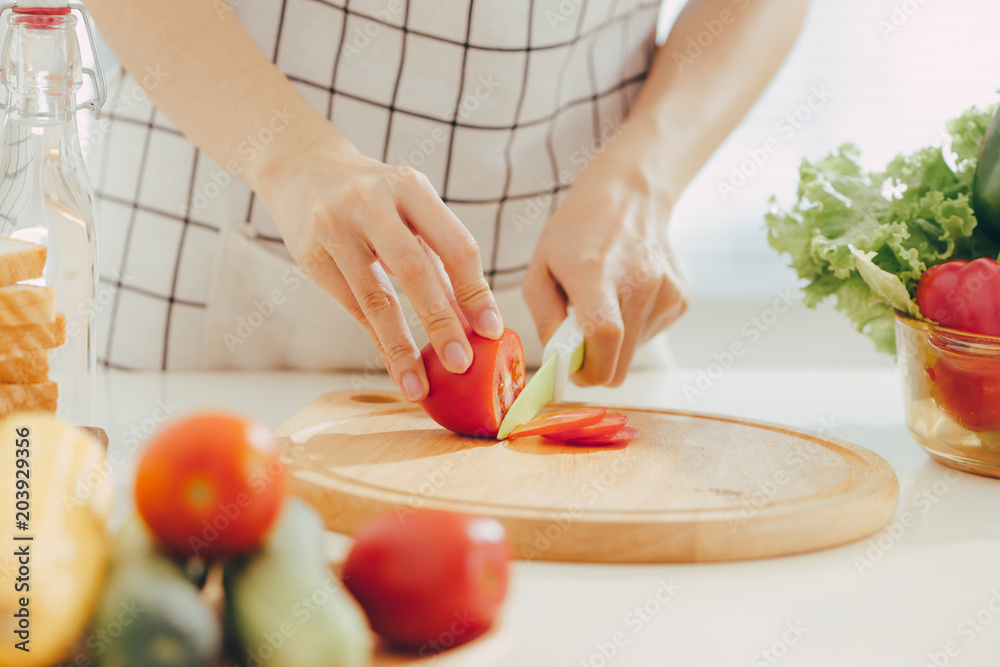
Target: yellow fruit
{"x":70,"y":496}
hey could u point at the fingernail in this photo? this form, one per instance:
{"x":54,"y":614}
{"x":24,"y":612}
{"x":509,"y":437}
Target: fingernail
{"x":456,"y":357}
{"x":489,"y":324}
{"x":412,"y":386}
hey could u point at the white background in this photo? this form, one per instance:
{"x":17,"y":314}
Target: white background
{"x":890,"y":94}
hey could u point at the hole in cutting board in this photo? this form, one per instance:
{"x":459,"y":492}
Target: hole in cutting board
{"x":372,"y":398}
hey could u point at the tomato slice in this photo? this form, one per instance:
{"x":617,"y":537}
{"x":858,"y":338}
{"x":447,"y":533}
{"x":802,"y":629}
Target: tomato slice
{"x":610,"y":424}
{"x":559,"y":421}
{"x":624,"y":434}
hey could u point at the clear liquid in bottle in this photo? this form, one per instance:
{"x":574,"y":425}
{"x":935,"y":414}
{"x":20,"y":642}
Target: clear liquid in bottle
{"x":46,"y":196}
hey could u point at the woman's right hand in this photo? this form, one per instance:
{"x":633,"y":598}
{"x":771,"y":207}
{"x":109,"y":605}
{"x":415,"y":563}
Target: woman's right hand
{"x":349,"y":221}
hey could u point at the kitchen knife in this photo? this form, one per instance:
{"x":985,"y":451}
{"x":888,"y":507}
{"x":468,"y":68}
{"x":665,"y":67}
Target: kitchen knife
{"x":563,"y":356}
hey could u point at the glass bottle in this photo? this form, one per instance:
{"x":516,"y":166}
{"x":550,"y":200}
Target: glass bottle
{"x":46,"y":196}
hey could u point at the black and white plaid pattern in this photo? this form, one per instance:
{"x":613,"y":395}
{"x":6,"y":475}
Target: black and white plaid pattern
{"x":498,"y":102}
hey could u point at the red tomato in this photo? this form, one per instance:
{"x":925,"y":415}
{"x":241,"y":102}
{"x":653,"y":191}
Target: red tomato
{"x":609,"y":425}
{"x":965,"y":296}
{"x":210,"y":485}
{"x":559,"y":421}
{"x":475,"y":402}
{"x":624,"y":434}
{"x":968,"y":389}
{"x":962,"y":295}
{"x":430,"y":580}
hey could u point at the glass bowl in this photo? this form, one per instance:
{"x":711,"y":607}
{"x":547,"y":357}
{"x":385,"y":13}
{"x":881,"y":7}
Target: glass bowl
{"x":952,"y":391}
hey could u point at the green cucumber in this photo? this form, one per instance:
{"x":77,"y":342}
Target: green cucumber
{"x":134,"y":541}
{"x":152,"y":615}
{"x":986,"y":182}
{"x":286,"y":609}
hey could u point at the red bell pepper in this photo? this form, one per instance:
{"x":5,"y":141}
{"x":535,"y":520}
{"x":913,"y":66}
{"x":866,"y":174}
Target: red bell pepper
{"x":962,"y":295}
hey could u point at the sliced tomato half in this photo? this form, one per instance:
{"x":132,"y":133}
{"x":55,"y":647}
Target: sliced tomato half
{"x":610,"y":424}
{"x":559,"y":421}
{"x":624,"y":434}
{"x":474,"y":403}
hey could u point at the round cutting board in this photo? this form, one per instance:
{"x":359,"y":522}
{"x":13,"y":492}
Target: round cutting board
{"x":690,"y":487}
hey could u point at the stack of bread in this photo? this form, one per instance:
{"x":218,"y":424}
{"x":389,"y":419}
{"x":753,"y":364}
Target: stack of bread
{"x":29,"y":328}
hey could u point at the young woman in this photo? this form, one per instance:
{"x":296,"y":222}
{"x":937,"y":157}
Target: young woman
{"x":484,"y":156}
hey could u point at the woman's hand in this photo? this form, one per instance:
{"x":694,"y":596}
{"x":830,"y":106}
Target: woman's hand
{"x":605,"y":250}
{"x":350,"y":221}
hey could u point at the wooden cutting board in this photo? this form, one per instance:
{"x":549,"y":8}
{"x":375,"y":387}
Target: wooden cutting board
{"x":690,"y":488}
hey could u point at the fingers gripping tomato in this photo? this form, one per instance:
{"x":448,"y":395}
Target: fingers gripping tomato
{"x":475,"y":402}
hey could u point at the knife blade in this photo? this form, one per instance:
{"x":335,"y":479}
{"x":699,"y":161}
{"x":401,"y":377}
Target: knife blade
{"x":563,"y":356}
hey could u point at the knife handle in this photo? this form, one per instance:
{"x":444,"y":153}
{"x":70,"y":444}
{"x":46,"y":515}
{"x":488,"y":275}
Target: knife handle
{"x":567,"y":343}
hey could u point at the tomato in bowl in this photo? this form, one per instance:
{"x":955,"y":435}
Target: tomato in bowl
{"x":952,"y":391}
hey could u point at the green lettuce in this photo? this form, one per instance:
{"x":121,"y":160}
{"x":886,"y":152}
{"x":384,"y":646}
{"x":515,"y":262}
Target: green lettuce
{"x":863,"y":239}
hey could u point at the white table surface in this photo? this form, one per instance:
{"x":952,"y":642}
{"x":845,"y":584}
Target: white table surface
{"x":911,"y":599}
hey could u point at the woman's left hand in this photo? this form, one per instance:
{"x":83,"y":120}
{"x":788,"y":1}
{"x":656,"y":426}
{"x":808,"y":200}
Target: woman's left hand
{"x":605,"y":251}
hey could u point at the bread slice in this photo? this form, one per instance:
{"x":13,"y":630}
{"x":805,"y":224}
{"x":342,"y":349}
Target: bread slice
{"x":22,"y":305}
{"x":20,"y":260}
{"x":31,"y":337}
{"x":41,"y":397}
{"x":32,"y":368}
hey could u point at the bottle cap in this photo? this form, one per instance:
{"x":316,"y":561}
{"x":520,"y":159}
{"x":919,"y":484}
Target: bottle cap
{"x":41,"y":9}
{"x":42,"y":4}
{"x":42,"y":14}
